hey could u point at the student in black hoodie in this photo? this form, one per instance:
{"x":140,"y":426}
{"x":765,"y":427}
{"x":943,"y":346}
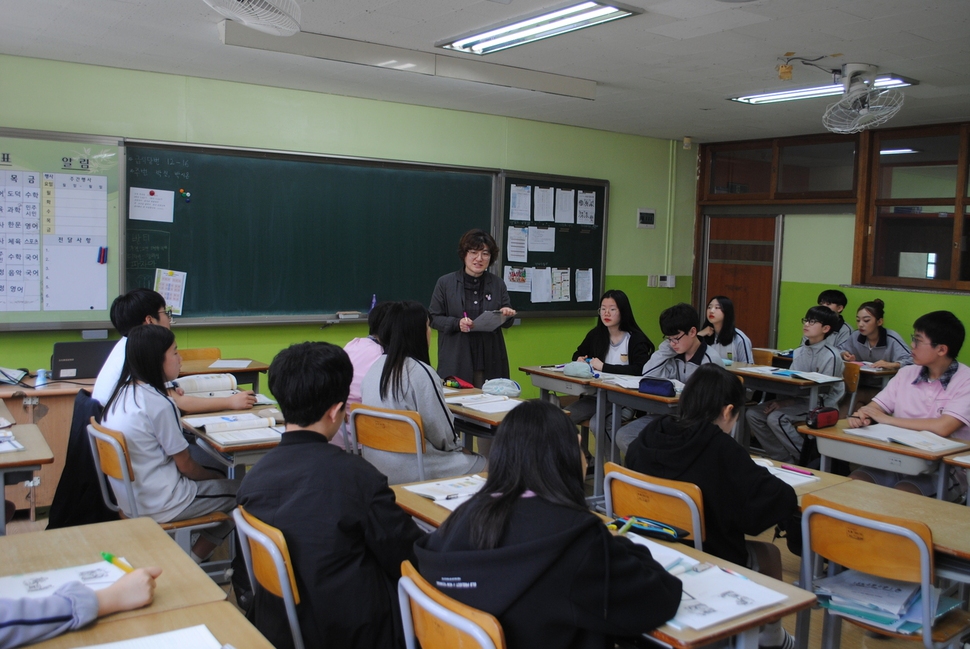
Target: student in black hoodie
{"x":740,"y":497}
{"x":527,"y":550}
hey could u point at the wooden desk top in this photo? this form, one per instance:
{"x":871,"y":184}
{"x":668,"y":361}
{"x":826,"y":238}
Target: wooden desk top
{"x":235,"y":448}
{"x":953,"y":459}
{"x":201,"y":366}
{"x":949,"y":522}
{"x":5,"y":412}
{"x":492,"y":419}
{"x":225,"y":622}
{"x":613,"y":387}
{"x":798,"y":599}
{"x":824,"y":481}
{"x":838,"y":434}
{"x":36,"y":451}
{"x":544,"y":370}
{"x":141,"y":541}
{"x":51,"y":389}
{"x":745,"y":370}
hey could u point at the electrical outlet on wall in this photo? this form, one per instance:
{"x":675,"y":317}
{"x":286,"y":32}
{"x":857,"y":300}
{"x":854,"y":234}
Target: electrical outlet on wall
{"x":668,"y":281}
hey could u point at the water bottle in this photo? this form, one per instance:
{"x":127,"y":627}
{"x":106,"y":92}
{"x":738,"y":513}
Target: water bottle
{"x":41,"y":379}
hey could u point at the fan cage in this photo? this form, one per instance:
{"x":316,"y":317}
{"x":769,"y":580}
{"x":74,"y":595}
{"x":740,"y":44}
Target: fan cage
{"x":277,"y":17}
{"x":859,"y":111}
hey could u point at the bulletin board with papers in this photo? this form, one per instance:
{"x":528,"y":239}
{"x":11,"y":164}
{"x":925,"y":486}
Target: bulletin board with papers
{"x":553,"y":240}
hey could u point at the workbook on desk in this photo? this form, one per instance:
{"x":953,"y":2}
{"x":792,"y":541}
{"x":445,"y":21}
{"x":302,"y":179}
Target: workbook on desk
{"x":95,"y":576}
{"x":449,"y":493}
{"x":487,"y":403}
{"x":197,"y":637}
{"x":921,"y":439}
{"x":208,"y":385}
{"x":233,"y":430}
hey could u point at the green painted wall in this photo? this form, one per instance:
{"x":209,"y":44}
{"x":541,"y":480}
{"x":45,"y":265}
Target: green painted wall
{"x":643,"y":172}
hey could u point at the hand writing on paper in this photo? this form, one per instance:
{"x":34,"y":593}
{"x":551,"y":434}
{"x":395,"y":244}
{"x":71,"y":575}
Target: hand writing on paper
{"x":134,"y":590}
{"x":466,"y":324}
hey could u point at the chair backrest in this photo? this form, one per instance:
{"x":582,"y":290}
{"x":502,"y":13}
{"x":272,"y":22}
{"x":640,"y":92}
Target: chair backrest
{"x":885,"y":546}
{"x":110,"y":452}
{"x":269,"y":565}
{"x":200,"y":353}
{"x":437,"y":621}
{"x":629,"y":493}
{"x":850,"y":376}
{"x":398,"y":431}
{"x":762,"y":356}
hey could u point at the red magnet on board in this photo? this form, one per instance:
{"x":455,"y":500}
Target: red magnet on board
{"x":151,"y":192}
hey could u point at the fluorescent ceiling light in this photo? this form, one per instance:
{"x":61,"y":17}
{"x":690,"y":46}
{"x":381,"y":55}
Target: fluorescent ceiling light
{"x":882,"y":81}
{"x":527,"y":30}
{"x":898,"y":151}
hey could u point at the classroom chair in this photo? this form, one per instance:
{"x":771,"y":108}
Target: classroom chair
{"x":200,"y":354}
{"x":880,"y":545}
{"x":437,"y":621}
{"x":629,"y":493}
{"x":850,"y":377}
{"x":762,"y":356}
{"x":110,"y":452}
{"x":269,"y":565}
{"x":398,"y":431}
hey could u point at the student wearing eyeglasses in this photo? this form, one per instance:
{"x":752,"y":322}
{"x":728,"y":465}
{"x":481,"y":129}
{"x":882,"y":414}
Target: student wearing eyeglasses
{"x":774,"y":423}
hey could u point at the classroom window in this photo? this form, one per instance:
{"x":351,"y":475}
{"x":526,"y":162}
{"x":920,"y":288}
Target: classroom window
{"x":914,"y":242}
{"x":812,"y":168}
{"x":741,"y":171}
{"x":918,"y":167}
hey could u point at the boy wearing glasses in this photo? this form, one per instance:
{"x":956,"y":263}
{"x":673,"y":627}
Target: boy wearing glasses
{"x":774,"y":425}
{"x":932,"y":394}
{"x":680,"y":353}
{"x":835,"y":300}
{"x":145,"y":306}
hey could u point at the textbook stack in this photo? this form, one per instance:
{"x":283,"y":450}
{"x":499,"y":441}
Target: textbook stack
{"x":883,"y":603}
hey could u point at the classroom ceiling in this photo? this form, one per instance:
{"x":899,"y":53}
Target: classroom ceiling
{"x":665,"y":73}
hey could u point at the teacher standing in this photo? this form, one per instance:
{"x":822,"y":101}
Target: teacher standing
{"x":458,"y":299}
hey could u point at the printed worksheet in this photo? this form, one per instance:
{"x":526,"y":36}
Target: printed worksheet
{"x":520,"y":203}
{"x":517,"y":245}
{"x":518,"y":279}
{"x":542,"y":239}
{"x":586,"y":208}
{"x":561,"y":291}
{"x":584,"y":284}
{"x":171,"y":285}
{"x":95,"y":576}
{"x":565,"y":206}
{"x":544,"y":198}
{"x":541,"y":284}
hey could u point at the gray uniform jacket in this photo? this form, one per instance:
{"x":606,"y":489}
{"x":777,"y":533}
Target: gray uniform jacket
{"x":824,"y":359}
{"x":667,"y":364}
{"x":890,"y":347}
{"x":27,"y":620}
{"x":454,"y":347}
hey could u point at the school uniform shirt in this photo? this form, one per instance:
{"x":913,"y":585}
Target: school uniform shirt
{"x":558,"y":578}
{"x":890,"y":347}
{"x":151,"y":426}
{"x":110,"y":372}
{"x":739,"y":496}
{"x":597,"y":345}
{"x":740,"y":347}
{"x":347,"y":538}
{"x":362,"y":352}
{"x":32,"y":619}
{"x":824,"y":359}
{"x":910,"y":394}
{"x":421,"y":391}
{"x":667,"y":364}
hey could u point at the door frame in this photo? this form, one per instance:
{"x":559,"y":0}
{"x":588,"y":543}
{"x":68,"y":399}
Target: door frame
{"x":775,"y":270}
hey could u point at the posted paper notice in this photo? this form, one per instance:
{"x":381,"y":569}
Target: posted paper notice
{"x":586,"y":208}
{"x":560,"y":285}
{"x":171,"y":285}
{"x":520,"y":203}
{"x":541,"y":284}
{"x":565,"y":206}
{"x":542,"y":239}
{"x":544,"y":197}
{"x":584,"y":284}
{"x":517,"y":245}
{"x":151,"y":205}
{"x":518,"y":280}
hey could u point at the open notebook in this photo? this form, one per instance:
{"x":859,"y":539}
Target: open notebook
{"x":233,"y":430}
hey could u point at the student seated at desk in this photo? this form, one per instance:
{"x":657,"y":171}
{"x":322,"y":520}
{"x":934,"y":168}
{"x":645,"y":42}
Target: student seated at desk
{"x":679,"y":355}
{"x":835,"y":301}
{"x":402,"y":379}
{"x":719,"y":332}
{"x":933,"y":394}
{"x":363,"y":352}
{"x":527,"y":549}
{"x":72,"y":606}
{"x":873,"y":343}
{"x":346,"y":535}
{"x":145,"y":306}
{"x":740,"y":497}
{"x":774,"y":424}
{"x":615,"y":345}
{"x":168,"y":484}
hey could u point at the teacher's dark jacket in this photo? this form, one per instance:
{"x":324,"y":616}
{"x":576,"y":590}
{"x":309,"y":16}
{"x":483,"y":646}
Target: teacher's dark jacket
{"x":454,"y":347}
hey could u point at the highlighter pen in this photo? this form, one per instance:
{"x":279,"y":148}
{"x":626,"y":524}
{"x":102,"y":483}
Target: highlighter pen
{"x":796,"y":469}
{"x":112,"y":559}
{"x":626,"y":526}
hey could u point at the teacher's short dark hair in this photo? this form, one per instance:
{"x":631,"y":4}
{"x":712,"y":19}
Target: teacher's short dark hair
{"x":476,"y":240}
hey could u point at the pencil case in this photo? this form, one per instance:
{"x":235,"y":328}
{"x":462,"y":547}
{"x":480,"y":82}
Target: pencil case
{"x":657,"y":387}
{"x":649,"y":527}
{"x":823,"y":417}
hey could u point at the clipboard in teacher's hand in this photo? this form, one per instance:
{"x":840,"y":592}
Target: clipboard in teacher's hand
{"x":489,"y":321}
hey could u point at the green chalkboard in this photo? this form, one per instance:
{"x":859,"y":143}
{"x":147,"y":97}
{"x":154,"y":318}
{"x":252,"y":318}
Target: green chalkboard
{"x":266,"y":236}
{"x":571,"y":215}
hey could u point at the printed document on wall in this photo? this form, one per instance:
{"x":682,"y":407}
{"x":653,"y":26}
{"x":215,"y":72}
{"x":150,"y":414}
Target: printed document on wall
{"x":151,"y":205}
{"x":584,"y":284}
{"x":544,"y":197}
{"x":171,"y":285}
{"x":586,"y":208}
{"x":560,"y":285}
{"x":517,"y":245}
{"x":541,"y":284}
{"x":565,"y":205}
{"x":520,"y":203}
{"x":518,"y":279}
{"x":542,"y":239}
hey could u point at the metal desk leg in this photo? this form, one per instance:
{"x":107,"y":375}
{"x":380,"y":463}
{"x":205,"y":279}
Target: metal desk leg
{"x":615,"y":427}
{"x":601,"y":405}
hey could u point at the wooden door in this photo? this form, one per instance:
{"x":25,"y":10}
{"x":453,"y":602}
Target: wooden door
{"x":742,"y":261}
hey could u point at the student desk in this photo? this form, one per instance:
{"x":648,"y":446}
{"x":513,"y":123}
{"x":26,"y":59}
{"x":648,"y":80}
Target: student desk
{"x":225,"y":622}
{"x":961,"y":461}
{"x":610,"y":394}
{"x":19,"y":466}
{"x":236,"y":457}
{"x":745,"y":629}
{"x":139,"y":540}
{"x":825,"y":480}
{"x":548,"y":380}
{"x":470,"y":422}
{"x":244,"y":375}
{"x":835,"y":443}
{"x":783,"y":385}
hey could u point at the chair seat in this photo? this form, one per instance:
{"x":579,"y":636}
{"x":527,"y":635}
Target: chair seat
{"x":214,"y":517}
{"x":948,"y":626}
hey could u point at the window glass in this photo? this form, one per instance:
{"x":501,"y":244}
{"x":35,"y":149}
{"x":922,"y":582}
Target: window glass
{"x":914,"y":241}
{"x":746,"y":171}
{"x":918,"y":167}
{"x":826,"y":167}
